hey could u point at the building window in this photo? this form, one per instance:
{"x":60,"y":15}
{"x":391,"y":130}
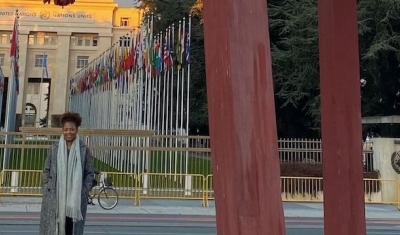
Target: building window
{"x":39,"y":39}
{"x":5,"y":37}
{"x":39,"y":61}
{"x":124,"y":41}
{"x":33,"y":88}
{"x":124,"y":22}
{"x":53,"y":40}
{"x":47,"y":40}
{"x":42,"y":38}
{"x":31,"y":39}
{"x":30,"y":115}
{"x":2,"y":59}
{"x":79,"y":41}
{"x":85,"y":40}
{"x":82,"y":61}
{"x":88,"y":41}
{"x":95,"y":41}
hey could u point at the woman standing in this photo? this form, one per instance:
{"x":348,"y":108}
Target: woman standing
{"x":67,"y":179}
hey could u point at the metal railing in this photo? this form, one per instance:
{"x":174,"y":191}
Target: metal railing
{"x":398,"y":195}
{"x":171,"y":186}
{"x":143,"y":165}
{"x":136,"y":152}
{"x":195,"y":187}
{"x":21,"y":182}
{"x":133,"y":152}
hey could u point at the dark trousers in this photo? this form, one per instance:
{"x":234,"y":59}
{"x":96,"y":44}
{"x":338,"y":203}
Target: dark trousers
{"x":69,"y":226}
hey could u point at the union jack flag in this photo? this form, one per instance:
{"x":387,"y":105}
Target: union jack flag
{"x":167,"y":53}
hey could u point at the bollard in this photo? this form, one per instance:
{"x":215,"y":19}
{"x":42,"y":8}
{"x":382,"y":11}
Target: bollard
{"x":14,"y":182}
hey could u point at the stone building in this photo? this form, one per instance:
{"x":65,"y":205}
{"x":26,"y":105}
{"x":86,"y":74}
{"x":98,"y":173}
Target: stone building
{"x":68,"y":37}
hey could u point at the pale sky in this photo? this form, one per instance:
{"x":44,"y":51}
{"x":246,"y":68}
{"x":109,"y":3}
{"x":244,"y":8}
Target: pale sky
{"x":126,"y":3}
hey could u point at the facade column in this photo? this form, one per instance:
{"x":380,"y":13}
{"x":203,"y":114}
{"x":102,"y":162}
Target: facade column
{"x":23,"y":80}
{"x":59,"y":82}
{"x":242,"y":121}
{"x":344,"y":212}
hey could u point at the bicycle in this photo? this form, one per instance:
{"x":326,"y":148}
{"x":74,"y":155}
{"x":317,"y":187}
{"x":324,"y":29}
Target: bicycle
{"x":106,"y":191}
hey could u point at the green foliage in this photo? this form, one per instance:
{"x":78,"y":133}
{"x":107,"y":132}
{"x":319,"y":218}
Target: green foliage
{"x":43,"y":121}
{"x":294,"y":45}
{"x":294,"y":34}
{"x":379,"y":28}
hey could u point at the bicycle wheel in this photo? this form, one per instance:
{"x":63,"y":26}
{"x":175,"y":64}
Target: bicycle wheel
{"x":108,"y":198}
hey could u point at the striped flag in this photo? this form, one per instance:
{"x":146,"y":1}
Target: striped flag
{"x":14,"y":55}
{"x":182,"y":45}
{"x":139,"y":51}
{"x":159,"y":55}
{"x":187,"y":47}
{"x":167,"y":52}
{"x":1,"y":81}
{"x":44,"y":66}
{"x":178,"y":49}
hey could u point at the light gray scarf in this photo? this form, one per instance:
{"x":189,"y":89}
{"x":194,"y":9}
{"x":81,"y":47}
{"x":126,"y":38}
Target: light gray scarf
{"x":69,"y":184}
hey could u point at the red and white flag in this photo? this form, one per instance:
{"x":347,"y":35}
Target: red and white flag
{"x":14,"y":54}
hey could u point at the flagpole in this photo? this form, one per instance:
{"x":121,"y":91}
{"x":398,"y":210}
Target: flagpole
{"x":188,"y":90}
{"x":44,"y":66}
{"x":2,"y":91}
{"x":179,"y":56}
{"x":164,"y":116}
{"x":151,"y":91}
{"x":12,"y":92}
{"x":171,"y":102}
{"x":183,"y":51}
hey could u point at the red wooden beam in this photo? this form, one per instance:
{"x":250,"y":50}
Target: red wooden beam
{"x":341,"y":118}
{"x":242,"y":118}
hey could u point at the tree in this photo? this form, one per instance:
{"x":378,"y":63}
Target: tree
{"x":43,"y":121}
{"x":294,"y":33}
{"x":294,"y":45}
{"x":379,"y":29}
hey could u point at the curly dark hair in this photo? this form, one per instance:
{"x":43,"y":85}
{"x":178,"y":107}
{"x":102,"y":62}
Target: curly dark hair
{"x":71,"y":117}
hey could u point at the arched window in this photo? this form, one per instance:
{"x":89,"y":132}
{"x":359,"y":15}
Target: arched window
{"x":30,"y":115}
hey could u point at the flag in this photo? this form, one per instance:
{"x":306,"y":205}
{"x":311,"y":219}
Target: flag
{"x":97,"y":71}
{"x":139,"y":51}
{"x":1,"y":81}
{"x":116,"y":62}
{"x":14,"y":84}
{"x":102,"y":69}
{"x":125,"y":59}
{"x":130,"y":61}
{"x":110,"y":73}
{"x":167,"y":54}
{"x":134,"y":52}
{"x":44,"y":66}
{"x":182,"y":45}
{"x":153,"y":60}
{"x":14,"y":54}
{"x":188,"y":48}
{"x":178,"y":54}
{"x":158,"y":52}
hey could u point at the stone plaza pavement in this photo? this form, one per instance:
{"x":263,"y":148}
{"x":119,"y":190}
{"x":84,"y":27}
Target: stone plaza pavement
{"x":191,"y":208}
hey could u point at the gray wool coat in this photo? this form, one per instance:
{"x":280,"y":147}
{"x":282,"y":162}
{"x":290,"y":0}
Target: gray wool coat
{"x":49,"y":202}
